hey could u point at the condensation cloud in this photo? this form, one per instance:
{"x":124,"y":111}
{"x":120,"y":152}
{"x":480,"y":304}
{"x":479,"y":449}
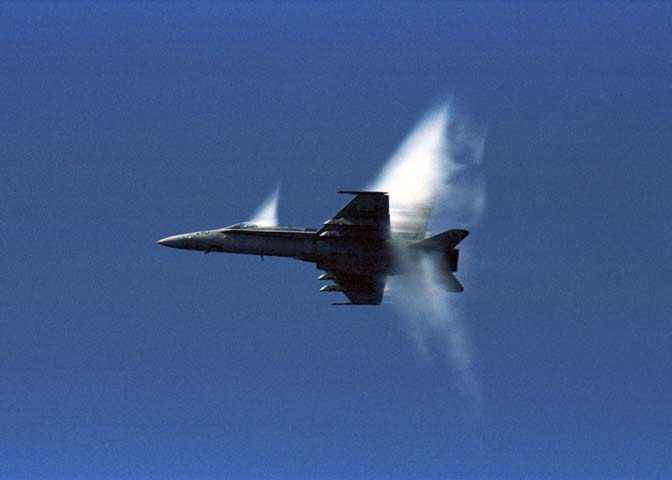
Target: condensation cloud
{"x":436,"y":169}
{"x":267,"y":214}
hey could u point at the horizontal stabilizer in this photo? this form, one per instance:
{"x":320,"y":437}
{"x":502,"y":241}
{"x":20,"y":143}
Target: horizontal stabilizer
{"x":443,"y":241}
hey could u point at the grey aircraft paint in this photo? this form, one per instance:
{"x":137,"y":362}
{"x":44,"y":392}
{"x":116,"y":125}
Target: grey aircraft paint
{"x":357,"y":248}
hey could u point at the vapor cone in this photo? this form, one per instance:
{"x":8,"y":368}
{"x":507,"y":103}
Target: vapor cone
{"x":430,"y":172}
{"x":267,"y":214}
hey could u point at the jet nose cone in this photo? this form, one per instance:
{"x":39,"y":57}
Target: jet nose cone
{"x":176,"y":241}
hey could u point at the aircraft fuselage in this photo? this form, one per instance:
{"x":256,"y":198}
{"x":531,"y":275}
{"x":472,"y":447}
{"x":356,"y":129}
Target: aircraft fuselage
{"x":359,"y":255}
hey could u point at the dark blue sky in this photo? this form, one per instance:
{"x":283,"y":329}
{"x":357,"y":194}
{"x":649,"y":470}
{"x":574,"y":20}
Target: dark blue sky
{"x":121,"y":124}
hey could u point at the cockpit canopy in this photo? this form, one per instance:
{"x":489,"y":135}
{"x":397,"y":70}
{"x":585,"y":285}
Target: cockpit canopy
{"x":241,"y":225}
{"x":248,"y":225}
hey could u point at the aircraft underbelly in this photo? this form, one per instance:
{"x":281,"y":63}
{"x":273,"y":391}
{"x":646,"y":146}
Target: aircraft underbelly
{"x":280,"y":246}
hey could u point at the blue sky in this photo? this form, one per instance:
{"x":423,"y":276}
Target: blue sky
{"x":121,"y":124}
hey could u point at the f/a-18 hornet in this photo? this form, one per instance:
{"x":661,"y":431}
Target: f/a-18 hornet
{"x":357,"y":248}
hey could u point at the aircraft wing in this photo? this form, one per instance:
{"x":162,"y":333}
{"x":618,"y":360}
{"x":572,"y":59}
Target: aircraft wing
{"x":360,"y":289}
{"x":366,"y":216}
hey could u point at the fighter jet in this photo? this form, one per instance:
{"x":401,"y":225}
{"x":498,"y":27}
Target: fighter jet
{"x":357,"y":249}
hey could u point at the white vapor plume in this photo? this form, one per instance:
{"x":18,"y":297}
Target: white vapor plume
{"x":416,"y":173}
{"x":434,"y":170}
{"x":267,"y":214}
